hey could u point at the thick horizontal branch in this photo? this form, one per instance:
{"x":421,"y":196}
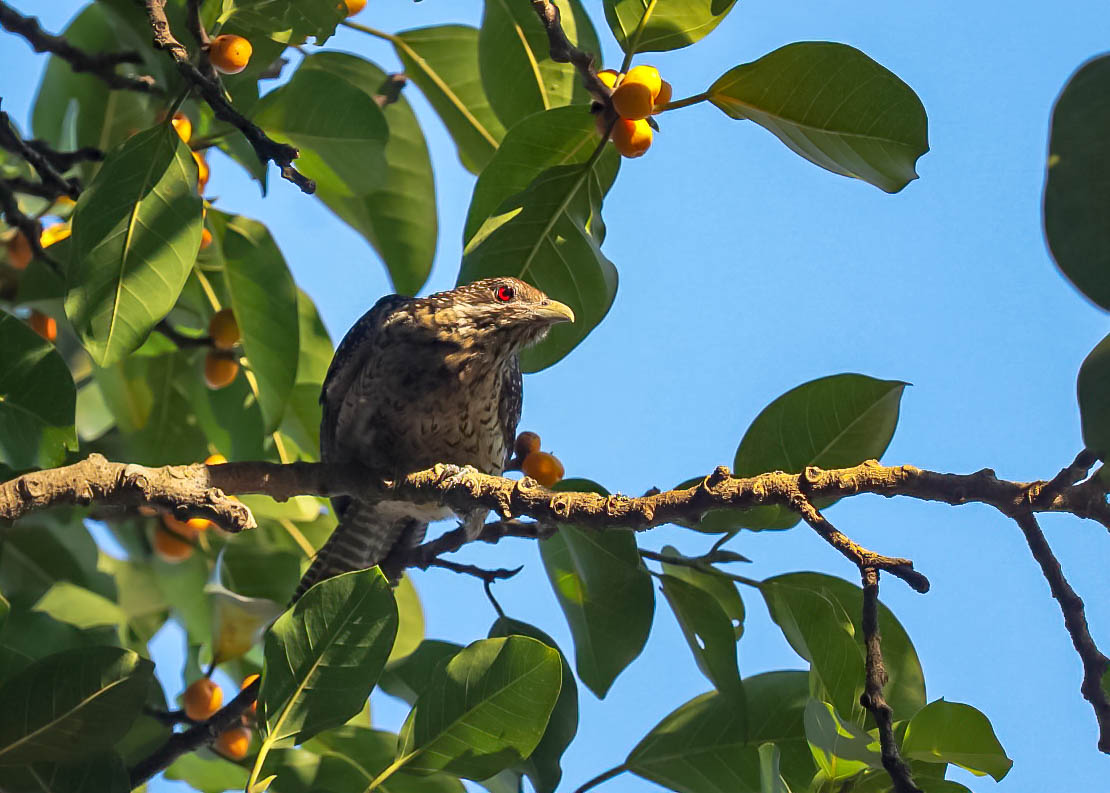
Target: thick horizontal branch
{"x":102,"y":64}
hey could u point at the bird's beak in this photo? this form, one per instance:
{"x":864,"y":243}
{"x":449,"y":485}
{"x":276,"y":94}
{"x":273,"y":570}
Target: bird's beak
{"x":553,"y":311}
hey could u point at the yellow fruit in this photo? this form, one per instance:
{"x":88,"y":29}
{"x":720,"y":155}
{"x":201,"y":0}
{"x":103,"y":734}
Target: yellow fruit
{"x":229,"y":53}
{"x":19,"y":251}
{"x":633,"y":101}
{"x":354,"y":6}
{"x":205,"y":238}
{"x":234,"y":743}
{"x":609,"y":77}
{"x":202,"y":699}
{"x":664,"y":95}
{"x":632,"y":138}
{"x":43,"y":325}
{"x":246,"y":682}
{"x":219,"y":370}
{"x":215,"y":459}
{"x":55,"y":232}
{"x":645,"y":75}
{"x":202,"y":171}
{"x":223,"y":329}
{"x":170,"y":547}
{"x":183,"y":126}
{"x":526,"y":443}
{"x":543,"y":467}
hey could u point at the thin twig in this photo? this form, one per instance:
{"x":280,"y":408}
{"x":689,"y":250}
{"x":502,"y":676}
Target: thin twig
{"x":180,"y":339}
{"x":1072,"y":474}
{"x":62,"y":161}
{"x":562,"y":51}
{"x":102,"y":65}
{"x":696,"y":564}
{"x":875,"y":678}
{"x":390,"y":90}
{"x":18,"y":184}
{"x":29,"y":227}
{"x":488,"y":576}
{"x":1095,"y":664}
{"x":43,"y":165}
{"x":168,"y":717}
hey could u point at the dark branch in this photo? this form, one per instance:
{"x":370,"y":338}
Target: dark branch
{"x":267,"y":149}
{"x":875,"y":678}
{"x":30,"y":228}
{"x":1072,"y":474}
{"x":203,"y":734}
{"x":42,"y":163}
{"x":562,"y":51}
{"x":488,"y":576}
{"x":1095,"y":664}
{"x":18,"y":184}
{"x":102,"y":65}
{"x":390,"y":90}
{"x":64,"y":160}
{"x":180,"y":339}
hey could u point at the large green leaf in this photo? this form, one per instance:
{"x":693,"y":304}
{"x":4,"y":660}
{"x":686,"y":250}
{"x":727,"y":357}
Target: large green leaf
{"x":81,"y":608}
{"x":950,"y":732}
{"x":324,"y":655}
{"x":484,"y":710}
{"x":840,"y":748}
{"x":605,"y":592}
{"x":103,"y":773}
{"x":1093,"y":390}
{"x":832,"y":422}
{"x":776,"y":704}
{"x":562,"y":136}
{"x":264,"y":299}
{"x":28,"y":636}
{"x":1077,"y":188}
{"x":289,"y":21}
{"x":542,"y":766}
{"x":71,"y":705}
{"x":399,"y":218}
{"x":515,"y":61}
{"x":834,"y":106}
{"x":207,"y":774}
{"x":136,"y":233}
{"x":37,"y":399}
{"x":410,"y":621}
{"x":550,"y":235}
{"x":443,"y":61}
{"x":338,"y":127}
{"x":670,"y":24}
{"x":708,"y":631}
{"x":722,"y":589}
{"x":407,"y":678}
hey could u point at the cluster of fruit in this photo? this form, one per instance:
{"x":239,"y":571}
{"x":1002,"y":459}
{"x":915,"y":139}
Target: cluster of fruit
{"x":544,"y":467}
{"x":19,"y":257}
{"x":200,"y":702}
{"x":636,"y":95}
{"x":175,"y":539}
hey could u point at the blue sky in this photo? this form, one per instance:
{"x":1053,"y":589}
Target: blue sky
{"x":746,"y":271}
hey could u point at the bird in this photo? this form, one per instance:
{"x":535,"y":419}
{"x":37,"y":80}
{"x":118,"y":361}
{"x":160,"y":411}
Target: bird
{"x":416,"y":382}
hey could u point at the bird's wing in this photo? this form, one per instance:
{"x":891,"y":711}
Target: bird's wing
{"x":512,"y":399}
{"x":344,"y":373}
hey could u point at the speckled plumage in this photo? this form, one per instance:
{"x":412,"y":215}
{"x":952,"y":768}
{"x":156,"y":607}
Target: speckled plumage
{"x":420,"y":381}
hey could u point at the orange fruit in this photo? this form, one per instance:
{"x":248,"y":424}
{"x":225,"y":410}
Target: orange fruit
{"x":632,"y":101}
{"x":609,"y":77}
{"x":183,"y":126}
{"x":632,"y":138}
{"x":215,"y":459}
{"x":229,"y":53}
{"x":645,"y":75}
{"x":43,"y":325}
{"x":223,"y":329}
{"x":234,"y":743}
{"x":55,"y":232}
{"x":543,"y":467}
{"x":202,"y":171}
{"x":205,"y":238}
{"x":526,"y":443}
{"x":197,"y":525}
{"x":170,"y":547}
{"x":219,"y":370}
{"x":246,"y":682}
{"x":19,"y":251}
{"x":664,"y":95}
{"x":202,"y":699}
{"x":354,"y":6}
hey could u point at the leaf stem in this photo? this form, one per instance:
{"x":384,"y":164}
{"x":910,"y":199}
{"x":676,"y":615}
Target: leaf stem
{"x":690,"y":100}
{"x":637,"y":34}
{"x":381,"y":34}
{"x":387,"y":773}
{"x":604,"y":776}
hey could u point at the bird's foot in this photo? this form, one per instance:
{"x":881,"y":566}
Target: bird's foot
{"x":449,"y":474}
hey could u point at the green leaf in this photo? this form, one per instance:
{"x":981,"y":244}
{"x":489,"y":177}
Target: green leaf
{"x":605,"y":592}
{"x":407,"y":678}
{"x":255,"y":572}
{"x":672,"y":23}
{"x":338,"y":127}
{"x":514,"y":57}
{"x":208,"y":774}
{"x":443,"y":62}
{"x":1093,"y":391}
{"x":37,"y":399}
{"x":562,"y":136}
{"x":104,"y":773}
{"x":550,"y":236}
{"x":484,"y":710}
{"x":708,"y":631}
{"x":950,"y":732}
{"x":399,"y":218}
{"x":264,"y":299}
{"x":316,"y":349}
{"x":324,"y":655}
{"x":67,"y":602}
{"x":28,"y":636}
{"x":369,"y":752}
{"x":1076,"y":195}
{"x":410,"y":621}
{"x":71,"y":705}
{"x":832,"y":422}
{"x":834,"y":106}
{"x":724,"y":590}
{"x":136,"y":233}
{"x":289,"y":21}
{"x":770,"y":770}
{"x":776,"y":714}
{"x":542,"y":766}
{"x":841,"y":748}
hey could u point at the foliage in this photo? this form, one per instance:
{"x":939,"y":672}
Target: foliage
{"x":137,"y":287}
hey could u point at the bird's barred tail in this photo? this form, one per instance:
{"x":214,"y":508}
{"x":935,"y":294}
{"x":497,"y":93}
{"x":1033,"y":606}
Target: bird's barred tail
{"x":362,"y":539}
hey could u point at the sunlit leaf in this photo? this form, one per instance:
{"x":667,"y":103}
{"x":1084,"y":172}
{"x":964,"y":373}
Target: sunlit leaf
{"x":207,"y":774}
{"x":708,"y":631}
{"x":950,"y":732}
{"x":285,"y":20}
{"x":410,"y":621}
{"x":670,"y":25}
{"x":841,"y":748}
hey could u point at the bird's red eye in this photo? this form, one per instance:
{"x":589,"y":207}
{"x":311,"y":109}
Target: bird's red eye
{"x":504,"y":293}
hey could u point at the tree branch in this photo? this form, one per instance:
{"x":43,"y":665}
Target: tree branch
{"x":267,"y":149}
{"x":1095,"y":664}
{"x":562,"y":51}
{"x":875,"y":678}
{"x":42,"y":163}
{"x":102,"y":65}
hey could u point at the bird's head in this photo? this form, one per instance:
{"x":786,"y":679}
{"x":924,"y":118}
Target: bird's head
{"x":502,"y":312}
